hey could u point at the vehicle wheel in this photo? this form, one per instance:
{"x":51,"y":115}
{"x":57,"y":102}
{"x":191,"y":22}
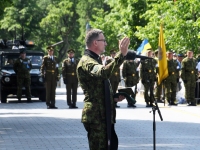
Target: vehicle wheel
{"x":3,"y":97}
{"x":42,"y":96}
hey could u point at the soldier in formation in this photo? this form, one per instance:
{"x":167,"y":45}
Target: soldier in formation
{"x":130,"y":74}
{"x":22,"y":67}
{"x":170,"y":82}
{"x":50,"y":73}
{"x":70,"y":78}
{"x":148,"y":77}
{"x":189,"y":75}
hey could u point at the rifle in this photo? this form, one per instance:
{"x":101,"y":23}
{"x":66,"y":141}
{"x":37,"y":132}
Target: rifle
{"x":53,"y":45}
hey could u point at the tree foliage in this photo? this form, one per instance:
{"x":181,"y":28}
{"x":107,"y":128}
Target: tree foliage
{"x":49,"y":21}
{"x":181,"y":24}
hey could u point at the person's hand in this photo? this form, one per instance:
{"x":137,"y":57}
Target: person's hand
{"x":123,"y":45}
{"x":119,"y":99}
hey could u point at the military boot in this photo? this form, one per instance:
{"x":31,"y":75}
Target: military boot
{"x":19,"y":100}
{"x":29,"y":100}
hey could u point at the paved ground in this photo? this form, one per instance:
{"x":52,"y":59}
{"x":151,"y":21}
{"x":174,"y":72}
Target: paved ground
{"x":30,"y":126}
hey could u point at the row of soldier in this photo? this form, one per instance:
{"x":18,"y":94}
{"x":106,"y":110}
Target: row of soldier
{"x":132,"y":71}
{"x":179,"y":66}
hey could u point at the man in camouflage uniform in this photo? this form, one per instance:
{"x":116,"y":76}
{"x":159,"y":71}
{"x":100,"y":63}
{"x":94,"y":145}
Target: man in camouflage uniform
{"x":49,"y":70}
{"x":189,"y":75}
{"x":171,"y":81}
{"x":115,"y":78}
{"x":22,"y":67}
{"x":93,"y":78}
{"x":70,"y":78}
{"x":130,"y":74}
{"x":148,"y":77}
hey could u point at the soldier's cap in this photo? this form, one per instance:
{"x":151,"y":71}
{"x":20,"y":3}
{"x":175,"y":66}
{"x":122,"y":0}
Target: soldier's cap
{"x":22,"y":50}
{"x":71,"y":51}
{"x":180,"y":55}
{"x":174,"y":54}
{"x":50,"y":48}
{"x":113,"y":51}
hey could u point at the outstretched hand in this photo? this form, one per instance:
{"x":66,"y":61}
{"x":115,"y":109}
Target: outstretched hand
{"x":123,"y":45}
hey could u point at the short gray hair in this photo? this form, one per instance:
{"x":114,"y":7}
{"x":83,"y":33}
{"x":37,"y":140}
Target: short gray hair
{"x":92,"y":35}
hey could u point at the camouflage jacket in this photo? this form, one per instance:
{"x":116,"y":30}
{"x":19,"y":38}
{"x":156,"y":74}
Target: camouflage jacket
{"x":129,"y":71}
{"x":148,"y":70}
{"x":22,"y":67}
{"x":172,"y":69}
{"x":91,"y":75}
{"x":188,"y":68}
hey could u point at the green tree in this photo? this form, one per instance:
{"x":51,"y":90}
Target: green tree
{"x":121,"y":20}
{"x":21,"y":17}
{"x":181,"y":24}
{"x":61,"y":23}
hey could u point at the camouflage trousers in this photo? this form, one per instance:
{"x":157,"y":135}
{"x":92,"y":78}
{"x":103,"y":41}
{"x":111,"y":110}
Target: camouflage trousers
{"x":170,"y":90}
{"x":23,"y":82}
{"x":190,"y":86}
{"x":148,"y":87}
{"x":97,"y":136}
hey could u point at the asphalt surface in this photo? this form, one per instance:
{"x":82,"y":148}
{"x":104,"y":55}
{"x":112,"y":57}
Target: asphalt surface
{"x":30,"y":126}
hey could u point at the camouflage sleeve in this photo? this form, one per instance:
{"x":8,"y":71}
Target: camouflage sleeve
{"x":183,"y":69}
{"x":15,"y":66}
{"x":195,"y":68}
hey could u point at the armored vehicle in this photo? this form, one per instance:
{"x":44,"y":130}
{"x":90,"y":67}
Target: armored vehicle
{"x":8,"y":80}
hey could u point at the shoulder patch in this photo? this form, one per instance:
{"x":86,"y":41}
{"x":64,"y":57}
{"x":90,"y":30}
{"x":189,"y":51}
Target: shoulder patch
{"x":95,"y":69}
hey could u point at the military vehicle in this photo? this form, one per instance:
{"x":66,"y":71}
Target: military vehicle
{"x":9,"y":52}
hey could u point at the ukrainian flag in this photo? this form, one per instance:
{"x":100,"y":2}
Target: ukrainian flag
{"x":143,"y":47}
{"x":162,"y":59}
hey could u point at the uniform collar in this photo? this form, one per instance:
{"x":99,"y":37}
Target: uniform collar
{"x":92,"y":54}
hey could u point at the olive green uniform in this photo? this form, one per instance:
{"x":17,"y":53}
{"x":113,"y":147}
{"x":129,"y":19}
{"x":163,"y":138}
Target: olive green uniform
{"x":49,"y":70}
{"x":148,"y":77}
{"x":22,"y":69}
{"x":91,"y":75}
{"x":170,"y":82}
{"x":70,"y":79}
{"x":130,"y":74}
{"x":189,"y":75}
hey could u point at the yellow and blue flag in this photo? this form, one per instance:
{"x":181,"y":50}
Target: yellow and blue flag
{"x":162,"y":58}
{"x":143,"y":47}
